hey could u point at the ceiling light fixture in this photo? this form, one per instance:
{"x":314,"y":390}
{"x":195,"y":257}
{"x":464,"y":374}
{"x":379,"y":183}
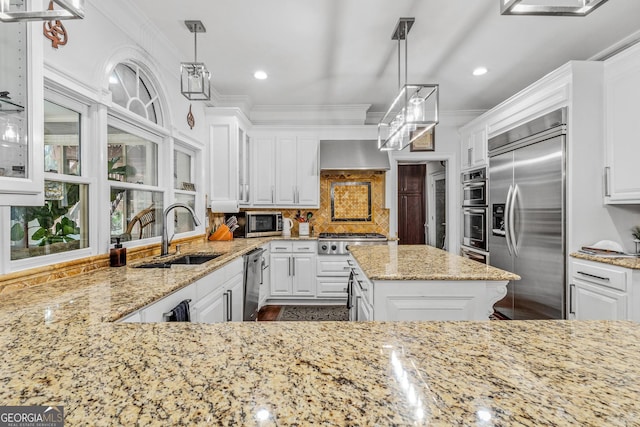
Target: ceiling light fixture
{"x":414,"y":111}
{"x":260,"y":75}
{"x":71,"y":9}
{"x":480,"y":71}
{"x":543,"y":7}
{"x":195,"y":82}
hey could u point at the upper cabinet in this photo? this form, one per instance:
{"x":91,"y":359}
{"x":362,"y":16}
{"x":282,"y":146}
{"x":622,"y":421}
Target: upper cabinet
{"x":229,"y":172}
{"x":297,"y":171}
{"x":622,"y":127}
{"x":263,"y":160}
{"x":473,"y":152}
{"x":21,"y":115}
{"x":286,"y":170}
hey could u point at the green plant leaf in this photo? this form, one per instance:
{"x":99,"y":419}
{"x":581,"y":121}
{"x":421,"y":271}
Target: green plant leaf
{"x":17,"y":232}
{"x":40,"y":234}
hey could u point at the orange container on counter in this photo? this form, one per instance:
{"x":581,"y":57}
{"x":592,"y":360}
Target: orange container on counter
{"x":222,"y":233}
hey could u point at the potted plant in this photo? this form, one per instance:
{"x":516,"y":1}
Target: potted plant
{"x":635,"y":232}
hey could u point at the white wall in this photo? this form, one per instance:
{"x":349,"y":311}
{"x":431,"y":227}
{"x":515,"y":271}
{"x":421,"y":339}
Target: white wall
{"x":113,"y":31}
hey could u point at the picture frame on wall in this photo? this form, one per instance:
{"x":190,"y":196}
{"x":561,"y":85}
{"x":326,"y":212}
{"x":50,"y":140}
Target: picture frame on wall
{"x":425,"y":142}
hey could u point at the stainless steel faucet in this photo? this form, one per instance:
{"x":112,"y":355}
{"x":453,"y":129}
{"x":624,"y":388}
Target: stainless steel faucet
{"x":166,"y":241}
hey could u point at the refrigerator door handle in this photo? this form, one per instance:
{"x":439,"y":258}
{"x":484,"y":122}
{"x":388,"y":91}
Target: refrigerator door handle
{"x":512,"y":220}
{"x":507,"y":231}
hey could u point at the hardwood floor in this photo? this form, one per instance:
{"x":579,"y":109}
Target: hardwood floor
{"x":269,"y":313}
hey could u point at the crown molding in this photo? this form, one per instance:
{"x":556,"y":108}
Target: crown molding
{"x":352,"y":114}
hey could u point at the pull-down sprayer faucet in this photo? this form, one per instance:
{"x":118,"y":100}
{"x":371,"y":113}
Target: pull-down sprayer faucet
{"x":166,"y":241}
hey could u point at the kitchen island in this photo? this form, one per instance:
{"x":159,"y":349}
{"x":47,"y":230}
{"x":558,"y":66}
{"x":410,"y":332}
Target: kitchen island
{"x":61,"y":346}
{"x":419,"y":282}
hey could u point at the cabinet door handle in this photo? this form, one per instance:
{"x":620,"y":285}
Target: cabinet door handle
{"x":226,"y":305}
{"x":289,"y":267}
{"x":346,"y":268}
{"x":272,"y":194}
{"x":357,"y":307}
{"x":469,"y":155}
{"x":262,"y":267}
{"x":571,"y":288}
{"x":230,"y":300}
{"x":293,"y":262}
{"x":606,"y":279}
{"x":304,"y":249}
{"x":607,"y":181}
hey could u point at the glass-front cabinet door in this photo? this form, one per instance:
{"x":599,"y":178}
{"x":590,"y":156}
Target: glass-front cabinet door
{"x":21,"y":114}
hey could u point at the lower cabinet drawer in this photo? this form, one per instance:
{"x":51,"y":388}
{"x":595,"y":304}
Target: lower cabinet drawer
{"x":603,"y":275}
{"x":331,"y":287}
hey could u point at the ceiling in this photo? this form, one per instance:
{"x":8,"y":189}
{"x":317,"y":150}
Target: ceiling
{"x":333,"y":52}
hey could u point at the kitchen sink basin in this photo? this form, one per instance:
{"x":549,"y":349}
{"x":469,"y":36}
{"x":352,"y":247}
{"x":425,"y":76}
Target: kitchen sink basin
{"x":183,"y":260}
{"x":194,"y":259}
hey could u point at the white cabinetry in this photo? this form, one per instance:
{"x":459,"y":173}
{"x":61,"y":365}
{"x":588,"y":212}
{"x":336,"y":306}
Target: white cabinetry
{"x":293,"y":269}
{"x":229,"y":171}
{"x":602,"y":292}
{"x":21,"y":116}
{"x":159,"y":310}
{"x":263,"y":165}
{"x":473,"y":152}
{"x":286,"y":170}
{"x":412,"y":300}
{"x":217,"y":297}
{"x":332,"y":276}
{"x":622,"y":124}
{"x":297,"y":171}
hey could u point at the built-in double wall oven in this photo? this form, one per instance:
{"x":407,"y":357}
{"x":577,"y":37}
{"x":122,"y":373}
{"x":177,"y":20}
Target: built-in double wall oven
{"x":475,"y":216}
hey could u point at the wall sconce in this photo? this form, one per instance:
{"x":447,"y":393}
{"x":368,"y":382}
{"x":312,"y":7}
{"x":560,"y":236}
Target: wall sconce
{"x":195,"y":82}
{"x":71,"y":9}
{"x":541,"y":7}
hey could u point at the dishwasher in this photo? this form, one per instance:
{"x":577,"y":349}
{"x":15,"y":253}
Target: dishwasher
{"x":252,"y":280}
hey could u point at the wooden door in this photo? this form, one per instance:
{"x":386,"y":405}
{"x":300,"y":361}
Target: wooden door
{"x":411,"y":204}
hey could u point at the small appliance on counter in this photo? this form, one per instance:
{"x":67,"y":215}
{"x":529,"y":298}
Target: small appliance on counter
{"x":256,"y":223}
{"x":287,"y":225}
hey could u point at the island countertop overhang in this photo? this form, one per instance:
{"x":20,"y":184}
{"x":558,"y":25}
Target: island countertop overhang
{"x":421,"y":262}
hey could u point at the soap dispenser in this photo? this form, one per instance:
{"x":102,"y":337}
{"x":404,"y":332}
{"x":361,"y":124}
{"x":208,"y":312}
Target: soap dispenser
{"x":118,"y":255}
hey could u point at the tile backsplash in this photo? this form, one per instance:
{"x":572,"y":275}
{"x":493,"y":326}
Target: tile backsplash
{"x":321,"y":220}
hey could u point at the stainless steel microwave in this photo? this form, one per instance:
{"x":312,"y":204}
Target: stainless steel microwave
{"x":263,"y":223}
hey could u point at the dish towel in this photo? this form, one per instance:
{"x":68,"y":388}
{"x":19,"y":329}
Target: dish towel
{"x":181,"y":312}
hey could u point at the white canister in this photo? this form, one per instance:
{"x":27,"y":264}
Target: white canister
{"x":304,"y":228}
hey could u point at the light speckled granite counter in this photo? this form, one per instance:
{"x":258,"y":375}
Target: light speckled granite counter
{"x":59,"y":350}
{"x":633,"y":263}
{"x":413,"y":262}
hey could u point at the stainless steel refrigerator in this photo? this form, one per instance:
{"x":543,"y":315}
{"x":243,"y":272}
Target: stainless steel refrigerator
{"x":527,"y":216}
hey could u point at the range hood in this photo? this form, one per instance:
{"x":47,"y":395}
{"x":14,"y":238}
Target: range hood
{"x":352,"y":155}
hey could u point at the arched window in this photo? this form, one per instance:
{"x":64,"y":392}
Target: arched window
{"x":131,"y":88}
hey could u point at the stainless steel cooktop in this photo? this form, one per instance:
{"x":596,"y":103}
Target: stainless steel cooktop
{"x":338,"y":243}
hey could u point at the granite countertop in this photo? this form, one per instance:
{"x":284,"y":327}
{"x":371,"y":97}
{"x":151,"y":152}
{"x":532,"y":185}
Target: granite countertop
{"x":628,"y":262}
{"x":421,"y":262}
{"x":60,"y":349}
{"x":329,"y":373}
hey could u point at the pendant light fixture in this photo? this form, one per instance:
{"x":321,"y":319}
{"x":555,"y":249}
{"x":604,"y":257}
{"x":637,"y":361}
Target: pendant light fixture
{"x":71,"y":9}
{"x":195,"y":82}
{"x":546,"y":7}
{"x":414,"y":111}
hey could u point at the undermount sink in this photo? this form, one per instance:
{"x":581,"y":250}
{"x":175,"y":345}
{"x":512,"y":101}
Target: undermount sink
{"x":183,"y":260}
{"x":194,"y":259}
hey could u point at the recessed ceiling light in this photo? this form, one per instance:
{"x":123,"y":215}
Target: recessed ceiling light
{"x":260,"y":75}
{"x":480,"y":71}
